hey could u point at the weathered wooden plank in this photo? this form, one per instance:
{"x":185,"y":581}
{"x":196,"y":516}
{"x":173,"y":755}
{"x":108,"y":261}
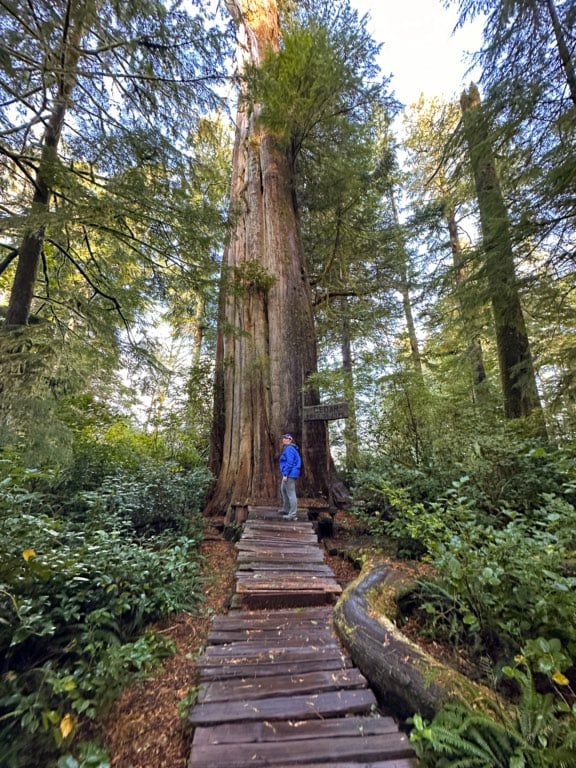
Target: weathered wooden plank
{"x":229,"y":671}
{"x":404,"y":762}
{"x":305,"y":537}
{"x":246,"y":653}
{"x":294,"y":574}
{"x":274,"y":643}
{"x":302,"y":635}
{"x":285,"y":598}
{"x":289,"y":730}
{"x":290,"y":547}
{"x":281,"y":685}
{"x":286,"y":532}
{"x":294,"y":617}
{"x":279,"y":556}
{"x":289,"y":577}
{"x":301,"y":707}
{"x":301,"y":524}
{"x":268,"y":582}
{"x":333,"y":750}
{"x":249,"y":544}
{"x":303,"y":567}
{"x":279,"y":521}
{"x":284,"y":636}
{"x":275,"y":622}
{"x":280,"y":528}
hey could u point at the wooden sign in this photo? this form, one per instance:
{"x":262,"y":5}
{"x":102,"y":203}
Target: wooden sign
{"x":326,"y":412}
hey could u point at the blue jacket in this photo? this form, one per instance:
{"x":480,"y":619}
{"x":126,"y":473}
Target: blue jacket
{"x":290,"y":461}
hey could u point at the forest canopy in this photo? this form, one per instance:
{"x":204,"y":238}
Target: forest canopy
{"x":195,"y":247}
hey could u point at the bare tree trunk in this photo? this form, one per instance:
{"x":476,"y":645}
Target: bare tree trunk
{"x":474,"y":349}
{"x":404,"y":288}
{"x":266,"y":341}
{"x":563,"y":50}
{"x":29,"y":252}
{"x":516,"y":367}
{"x":409,"y":317}
{"x":350,"y":425}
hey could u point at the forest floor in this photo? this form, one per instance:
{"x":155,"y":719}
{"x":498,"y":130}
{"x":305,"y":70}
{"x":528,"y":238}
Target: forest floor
{"x":145,"y":728}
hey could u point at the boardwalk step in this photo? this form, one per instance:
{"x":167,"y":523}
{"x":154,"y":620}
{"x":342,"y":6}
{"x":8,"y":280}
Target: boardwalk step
{"x":278,"y":619}
{"x":332,"y":750}
{"x":228,"y":671}
{"x":263,"y":731}
{"x":280,"y":556}
{"x":281,"y":685}
{"x":276,"y":689}
{"x":272,"y":636}
{"x":300,"y":707}
{"x":249,"y":656}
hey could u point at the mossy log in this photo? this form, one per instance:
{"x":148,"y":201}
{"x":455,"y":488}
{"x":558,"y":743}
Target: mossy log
{"x":404,"y":677}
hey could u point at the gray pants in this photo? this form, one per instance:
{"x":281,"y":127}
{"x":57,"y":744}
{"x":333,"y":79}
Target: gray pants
{"x":288,"y":493}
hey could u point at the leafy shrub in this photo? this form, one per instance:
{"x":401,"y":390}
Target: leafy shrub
{"x":498,"y":586}
{"x":386,"y":510}
{"x":75,"y":597}
{"x":502,"y":471}
{"x":157,"y":497}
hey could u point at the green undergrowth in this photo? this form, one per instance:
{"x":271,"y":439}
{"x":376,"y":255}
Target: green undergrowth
{"x":84,"y":572}
{"x":500,"y":590}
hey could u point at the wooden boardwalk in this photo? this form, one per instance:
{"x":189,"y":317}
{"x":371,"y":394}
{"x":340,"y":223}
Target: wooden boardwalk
{"x":276,"y":688}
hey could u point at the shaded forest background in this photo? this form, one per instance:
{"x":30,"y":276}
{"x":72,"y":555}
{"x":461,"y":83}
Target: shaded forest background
{"x":439,"y":244}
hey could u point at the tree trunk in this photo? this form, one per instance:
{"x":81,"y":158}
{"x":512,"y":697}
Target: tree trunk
{"x":266,"y":339}
{"x":563,"y":50}
{"x":29,"y":252}
{"x":516,"y":367}
{"x":474,"y":348}
{"x":404,"y":288}
{"x":350,"y":425}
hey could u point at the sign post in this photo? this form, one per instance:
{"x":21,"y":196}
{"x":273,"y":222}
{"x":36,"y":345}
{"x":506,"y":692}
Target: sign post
{"x":326,"y":412}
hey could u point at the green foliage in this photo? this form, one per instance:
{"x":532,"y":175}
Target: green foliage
{"x":503,"y":470}
{"x":515,"y":507}
{"x":483,"y":591}
{"x":321,"y":79}
{"x":127,"y":204}
{"x":34,"y":376}
{"x":537,"y":732}
{"x":155,"y":498}
{"x":77,"y":592}
{"x":89,"y":755}
{"x":187,"y":702}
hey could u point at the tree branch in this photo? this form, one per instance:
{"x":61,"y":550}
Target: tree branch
{"x":92,"y":284}
{"x":8,"y":260}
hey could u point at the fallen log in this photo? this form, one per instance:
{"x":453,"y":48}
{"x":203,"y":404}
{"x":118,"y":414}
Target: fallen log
{"x":403,"y":676}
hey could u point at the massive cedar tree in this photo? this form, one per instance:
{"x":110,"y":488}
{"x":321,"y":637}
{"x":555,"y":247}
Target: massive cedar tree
{"x":266,"y":338}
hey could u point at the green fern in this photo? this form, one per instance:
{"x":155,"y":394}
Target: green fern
{"x":533,"y":734}
{"x":468,"y":738}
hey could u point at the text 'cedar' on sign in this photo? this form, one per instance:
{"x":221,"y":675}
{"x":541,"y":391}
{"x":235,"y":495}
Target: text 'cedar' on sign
{"x":326,"y":412}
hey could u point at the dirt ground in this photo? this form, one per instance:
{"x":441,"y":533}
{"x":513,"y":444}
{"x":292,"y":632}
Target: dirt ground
{"x":145,"y":729}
